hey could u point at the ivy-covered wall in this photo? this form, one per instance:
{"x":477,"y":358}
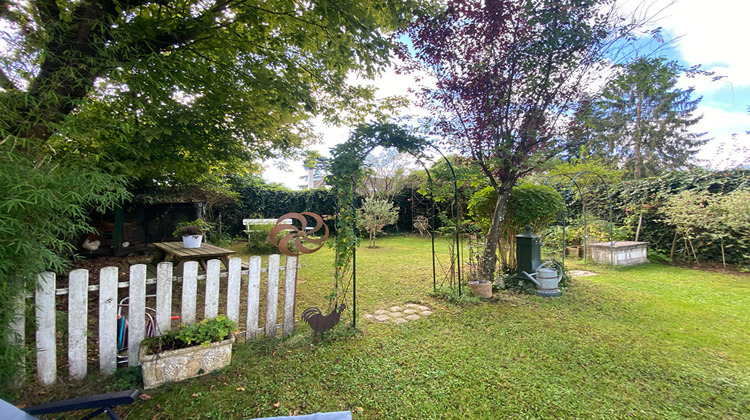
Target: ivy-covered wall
{"x":648,"y":196}
{"x":257,"y":202}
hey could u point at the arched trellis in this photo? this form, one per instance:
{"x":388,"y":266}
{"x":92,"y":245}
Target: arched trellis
{"x":573,"y":178}
{"x":346,"y":170}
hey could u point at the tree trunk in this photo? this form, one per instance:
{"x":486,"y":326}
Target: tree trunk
{"x":638,"y":139}
{"x":489,"y":258}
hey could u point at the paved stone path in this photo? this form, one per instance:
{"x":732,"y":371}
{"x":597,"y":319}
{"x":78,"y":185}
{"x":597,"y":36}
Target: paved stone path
{"x":400,"y":314}
{"x":581,"y":273}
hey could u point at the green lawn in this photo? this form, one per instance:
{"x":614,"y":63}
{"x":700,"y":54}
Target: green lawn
{"x":644,"y":342}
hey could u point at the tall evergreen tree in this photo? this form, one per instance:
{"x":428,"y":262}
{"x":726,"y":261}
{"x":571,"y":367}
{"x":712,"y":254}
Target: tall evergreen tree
{"x":643,"y":122}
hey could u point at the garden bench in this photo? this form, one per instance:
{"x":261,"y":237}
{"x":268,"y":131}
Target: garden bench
{"x":257,"y":222}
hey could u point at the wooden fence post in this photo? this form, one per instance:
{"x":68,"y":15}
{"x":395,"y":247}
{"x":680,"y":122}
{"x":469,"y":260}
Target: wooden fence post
{"x":290,"y":288}
{"x":272,"y":295}
{"x":136,"y":311}
{"x":108,"y":320}
{"x":234,"y":280}
{"x":164,"y":297}
{"x":213,"y":268}
{"x":253,"y":297}
{"x":189,"y":291}
{"x":78,"y":305}
{"x":46,"y":350}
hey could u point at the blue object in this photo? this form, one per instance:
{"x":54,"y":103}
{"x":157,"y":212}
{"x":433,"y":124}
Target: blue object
{"x":337,"y":415}
{"x":9,"y":411}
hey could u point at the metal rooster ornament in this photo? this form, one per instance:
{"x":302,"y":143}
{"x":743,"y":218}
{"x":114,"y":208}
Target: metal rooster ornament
{"x":319,"y":322}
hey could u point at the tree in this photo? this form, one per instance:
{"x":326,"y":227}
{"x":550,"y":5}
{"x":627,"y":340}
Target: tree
{"x":163,"y":93}
{"x":138,"y":85}
{"x":387,"y":174}
{"x":509,"y":74}
{"x":642,"y":122}
{"x":375,"y":214}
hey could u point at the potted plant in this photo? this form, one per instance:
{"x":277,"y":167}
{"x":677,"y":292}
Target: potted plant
{"x":187,"y":351}
{"x":192,"y":232}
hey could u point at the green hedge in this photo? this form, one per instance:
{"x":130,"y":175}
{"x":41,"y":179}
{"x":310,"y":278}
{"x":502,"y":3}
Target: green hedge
{"x":648,"y":196}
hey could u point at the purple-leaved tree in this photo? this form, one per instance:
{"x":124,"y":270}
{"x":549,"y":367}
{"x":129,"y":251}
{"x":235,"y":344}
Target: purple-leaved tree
{"x":509,"y":76}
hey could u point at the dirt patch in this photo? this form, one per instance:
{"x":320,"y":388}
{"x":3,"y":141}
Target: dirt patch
{"x":713,"y":267}
{"x":95,"y":264}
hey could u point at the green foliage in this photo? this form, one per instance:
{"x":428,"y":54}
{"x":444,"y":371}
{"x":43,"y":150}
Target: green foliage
{"x":202,"y":333}
{"x":648,"y":196}
{"x":43,"y":214}
{"x":532,"y":205}
{"x":257,"y":240}
{"x":593,"y":172}
{"x":347,"y":171}
{"x":222,"y":240}
{"x":643,"y":120}
{"x":450,"y":295}
{"x":267,"y":202}
{"x":706,"y":217}
{"x":128,"y":378}
{"x":469,"y":179}
{"x":195,"y":227}
{"x":374,"y":215}
{"x":189,"y":92}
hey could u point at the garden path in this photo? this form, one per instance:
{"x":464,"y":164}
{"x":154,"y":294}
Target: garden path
{"x":400,"y":315}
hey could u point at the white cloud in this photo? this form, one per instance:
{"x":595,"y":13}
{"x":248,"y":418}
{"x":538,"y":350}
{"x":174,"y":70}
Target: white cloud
{"x":389,"y":84}
{"x":731,"y":144}
{"x":712,"y":34}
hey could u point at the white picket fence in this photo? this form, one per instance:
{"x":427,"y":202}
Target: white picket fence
{"x":78,"y":334}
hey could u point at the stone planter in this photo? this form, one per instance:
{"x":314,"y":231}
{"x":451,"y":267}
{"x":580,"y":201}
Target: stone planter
{"x":482,"y":289}
{"x":192,"y":241}
{"x":178,"y":365}
{"x":619,"y":253}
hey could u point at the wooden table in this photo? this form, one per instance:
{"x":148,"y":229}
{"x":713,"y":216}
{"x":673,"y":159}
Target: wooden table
{"x":177,"y":253}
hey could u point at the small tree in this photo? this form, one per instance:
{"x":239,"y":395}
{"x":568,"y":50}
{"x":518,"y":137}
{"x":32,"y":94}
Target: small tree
{"x":532,"y":205}
{"x":374,"y":215}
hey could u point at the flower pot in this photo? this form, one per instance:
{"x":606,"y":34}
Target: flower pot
{"x":482,"y":289}
{"x":181,"y":364}
{"x":192,"y":241}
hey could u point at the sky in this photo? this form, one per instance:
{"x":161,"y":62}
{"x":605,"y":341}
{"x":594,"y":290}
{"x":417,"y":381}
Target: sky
{"x":711,"y":34}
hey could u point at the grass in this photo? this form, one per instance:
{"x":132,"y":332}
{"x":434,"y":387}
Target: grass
{"x":650,"y":341}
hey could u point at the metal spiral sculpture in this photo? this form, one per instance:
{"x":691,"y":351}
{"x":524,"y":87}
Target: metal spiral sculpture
{"x":299,"y":235}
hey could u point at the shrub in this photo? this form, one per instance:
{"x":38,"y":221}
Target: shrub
{"x":203,"y":333}
{"x":257,"y":240}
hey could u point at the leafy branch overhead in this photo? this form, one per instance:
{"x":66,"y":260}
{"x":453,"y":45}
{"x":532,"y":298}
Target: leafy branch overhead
{"x":212,"y":85}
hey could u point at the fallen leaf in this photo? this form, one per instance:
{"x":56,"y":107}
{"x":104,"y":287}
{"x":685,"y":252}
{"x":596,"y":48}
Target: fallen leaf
{"x":277,"y":405}
{"x":360,"y":409}
{"x":240,"y":389}
{"x":144,"y":397}
{"x":196,"y":395}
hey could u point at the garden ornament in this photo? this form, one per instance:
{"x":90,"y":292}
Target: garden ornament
{"x":298,"y":234}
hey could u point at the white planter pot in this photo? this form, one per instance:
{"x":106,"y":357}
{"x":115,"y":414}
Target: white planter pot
{"x":192,"y":241}
{"x":178,"y":365}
